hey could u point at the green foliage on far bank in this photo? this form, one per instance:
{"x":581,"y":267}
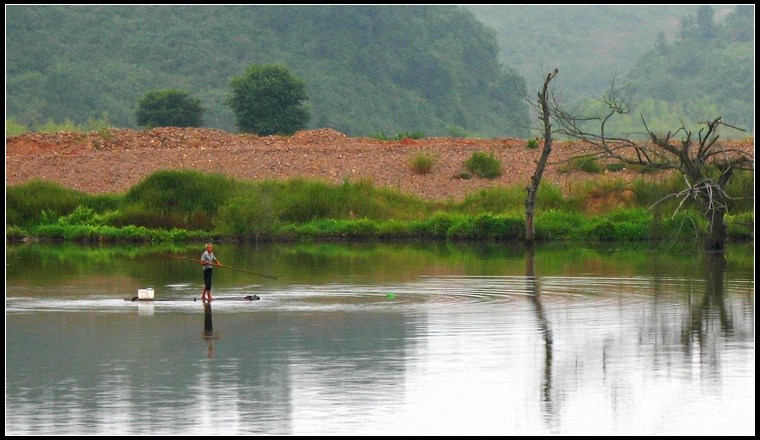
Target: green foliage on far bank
{"x":177,"y":206}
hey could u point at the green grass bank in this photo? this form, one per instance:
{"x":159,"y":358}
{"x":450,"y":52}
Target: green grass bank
{"x":181,"y":206}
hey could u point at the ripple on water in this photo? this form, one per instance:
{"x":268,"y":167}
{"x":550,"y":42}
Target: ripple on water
{"x":582,"y":291}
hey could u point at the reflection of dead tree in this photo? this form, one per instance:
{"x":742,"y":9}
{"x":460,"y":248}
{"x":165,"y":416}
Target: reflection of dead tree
{"x":713,"y":300}
{"x":705,"y":164}
{"x":547,"y":403}
{"x":709,"y":311}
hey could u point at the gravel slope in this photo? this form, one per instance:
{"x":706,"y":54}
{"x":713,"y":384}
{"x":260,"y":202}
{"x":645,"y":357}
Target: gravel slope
{"x":114,"y":160}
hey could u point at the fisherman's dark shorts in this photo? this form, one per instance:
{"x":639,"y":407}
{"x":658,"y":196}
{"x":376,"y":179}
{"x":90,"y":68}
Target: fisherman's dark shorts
{"x":207,"y":278}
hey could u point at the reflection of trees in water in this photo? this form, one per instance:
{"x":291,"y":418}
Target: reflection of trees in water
{"x":699,"y":319}
{"x":709,"y":319}
{"x":712,"y":304}
{"x":690,"y":313}
{"x":548,"y":406}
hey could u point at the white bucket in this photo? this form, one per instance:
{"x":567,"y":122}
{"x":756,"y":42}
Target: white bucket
{"x":145,"y":293}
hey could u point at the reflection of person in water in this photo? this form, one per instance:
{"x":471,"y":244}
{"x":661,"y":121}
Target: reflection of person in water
{"x":208,"y":329}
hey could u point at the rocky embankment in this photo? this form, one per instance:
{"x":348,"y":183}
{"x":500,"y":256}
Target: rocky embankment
{"x":113,"y":160}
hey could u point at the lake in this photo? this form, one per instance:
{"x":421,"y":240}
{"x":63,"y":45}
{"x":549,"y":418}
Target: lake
{"x":381,"y":339}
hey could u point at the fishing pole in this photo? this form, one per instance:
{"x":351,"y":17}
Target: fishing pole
{"x":222,"y":266}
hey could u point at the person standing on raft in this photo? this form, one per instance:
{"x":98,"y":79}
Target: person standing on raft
{"x":208,"y":260}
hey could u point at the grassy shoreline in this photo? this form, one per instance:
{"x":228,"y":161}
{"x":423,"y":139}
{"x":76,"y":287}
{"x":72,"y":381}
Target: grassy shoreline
{"x":188,"y":206}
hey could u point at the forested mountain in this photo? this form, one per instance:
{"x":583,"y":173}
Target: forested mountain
{"x":709,"y":69}
{"x":594,"y":44}
{"x":370,"y":69}
{"x":588,"y":43}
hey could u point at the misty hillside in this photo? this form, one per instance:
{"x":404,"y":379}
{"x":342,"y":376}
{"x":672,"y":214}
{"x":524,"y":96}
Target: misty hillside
{"x":590,"y":43}
{"x":367,"y":68}
{"x":593,"y":44}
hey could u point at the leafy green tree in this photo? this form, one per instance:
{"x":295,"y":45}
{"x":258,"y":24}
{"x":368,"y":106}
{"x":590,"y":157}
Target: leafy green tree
{"x":268,"y":100}
{"x":169,"y":108}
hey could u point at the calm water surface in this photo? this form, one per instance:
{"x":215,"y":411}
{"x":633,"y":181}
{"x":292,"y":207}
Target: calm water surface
{"x":367,"y":339}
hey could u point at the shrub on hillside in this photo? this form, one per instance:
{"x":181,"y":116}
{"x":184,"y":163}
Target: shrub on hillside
{"x":484,"y":165}
{"x":422,"y":163}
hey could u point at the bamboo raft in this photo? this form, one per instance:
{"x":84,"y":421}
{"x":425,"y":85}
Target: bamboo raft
{"x":221,"y":298}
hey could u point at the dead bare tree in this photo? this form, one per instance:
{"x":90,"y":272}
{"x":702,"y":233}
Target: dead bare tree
{"x":706,"y":164}
{"x":544,"y":115}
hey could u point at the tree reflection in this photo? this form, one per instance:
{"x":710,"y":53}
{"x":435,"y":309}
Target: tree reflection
{"x":547,"y":404}
{"x":709,"y":312}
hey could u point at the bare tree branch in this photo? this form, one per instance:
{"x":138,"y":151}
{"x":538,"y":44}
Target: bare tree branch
{"x":706,"y":165}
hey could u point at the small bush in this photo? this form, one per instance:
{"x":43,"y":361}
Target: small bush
{"x":440,"y":224}
{"x":590,"y":166}
{"x":422,"y":163}
{"x":602,"y":229}
{"x":532,"y":144}
{"x":487,"y":227}
{"x":555,"y":224}
{"x":585,"y":164}
{"x":483,"y":165}
{"x":83,"y":215}
{"x":615,"y":166}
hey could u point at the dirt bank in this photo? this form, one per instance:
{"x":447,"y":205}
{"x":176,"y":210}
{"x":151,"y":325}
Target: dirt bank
{"x":111,"y":161}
